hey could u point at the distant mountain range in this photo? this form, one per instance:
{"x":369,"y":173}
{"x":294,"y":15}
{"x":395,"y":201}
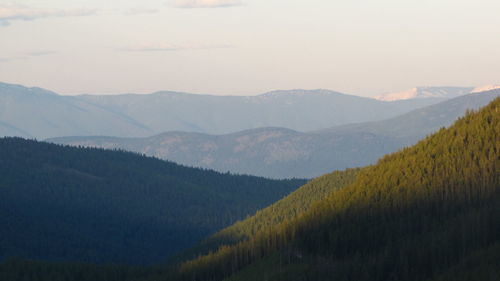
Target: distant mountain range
{"x":285,"y":153}
{"x":39,"y":113}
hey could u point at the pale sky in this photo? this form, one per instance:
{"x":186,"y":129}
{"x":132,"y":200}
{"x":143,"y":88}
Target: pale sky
{"x":248,"y":47}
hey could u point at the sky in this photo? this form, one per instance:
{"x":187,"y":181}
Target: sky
{"x":248,"y":47}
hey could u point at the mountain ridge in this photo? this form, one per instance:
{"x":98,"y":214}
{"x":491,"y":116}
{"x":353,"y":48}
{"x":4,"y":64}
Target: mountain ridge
{"x":284,"y":153}
{"x":44,"y":114}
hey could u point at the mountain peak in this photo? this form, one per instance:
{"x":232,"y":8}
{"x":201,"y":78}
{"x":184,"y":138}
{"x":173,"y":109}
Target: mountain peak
{"x":485,"y":88}
{"x":18,"y":89}
{"x":425,"y":92}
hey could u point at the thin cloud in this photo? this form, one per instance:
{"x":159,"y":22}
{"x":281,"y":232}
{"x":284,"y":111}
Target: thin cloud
{"x":40,"y":53}
{"x":27,"y":55}
{"x":190,"y":4}
{"x":167,"y":47}
{"x":9,"y":59}
{"x":9,"y":13}
{"x":140,"y":11}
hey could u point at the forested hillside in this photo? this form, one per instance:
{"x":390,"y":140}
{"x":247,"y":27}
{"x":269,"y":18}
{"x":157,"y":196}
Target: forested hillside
{"x":422,"y":213}
{"x":92,"y":205}
{"x":285,"y":210}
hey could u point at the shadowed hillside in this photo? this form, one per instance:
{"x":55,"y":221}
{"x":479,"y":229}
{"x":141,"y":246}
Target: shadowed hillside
{"x":92,"y":205}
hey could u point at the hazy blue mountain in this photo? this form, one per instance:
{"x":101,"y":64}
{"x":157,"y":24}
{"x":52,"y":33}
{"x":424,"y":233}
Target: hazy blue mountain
{"x":9,"y":130}
{"x":301,"y":110}
{"x":35,"y":112}
{"x":269,"y":152}
{"x":38,"y":113}
{"x":285,"y":153}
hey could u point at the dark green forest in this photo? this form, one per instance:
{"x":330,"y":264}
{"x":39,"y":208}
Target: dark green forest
{"x":428,"y":212}
{"x":14,"y":269}
{"x":92,"y":205}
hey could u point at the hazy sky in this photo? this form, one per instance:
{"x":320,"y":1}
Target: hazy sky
{"x":362,"y":47}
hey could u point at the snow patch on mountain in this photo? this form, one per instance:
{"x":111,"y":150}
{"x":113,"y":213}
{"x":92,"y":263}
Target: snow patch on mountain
{"x":485,"y":88}
{"x":425,"y":92}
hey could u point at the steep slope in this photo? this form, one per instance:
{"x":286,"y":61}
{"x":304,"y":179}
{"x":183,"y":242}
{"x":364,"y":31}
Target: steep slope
{"x":284,"y":153}
{"x":42,"y":114}
{"x":73,"y":204}
{"x":287,"y":209}
{"x":415,"y":215}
